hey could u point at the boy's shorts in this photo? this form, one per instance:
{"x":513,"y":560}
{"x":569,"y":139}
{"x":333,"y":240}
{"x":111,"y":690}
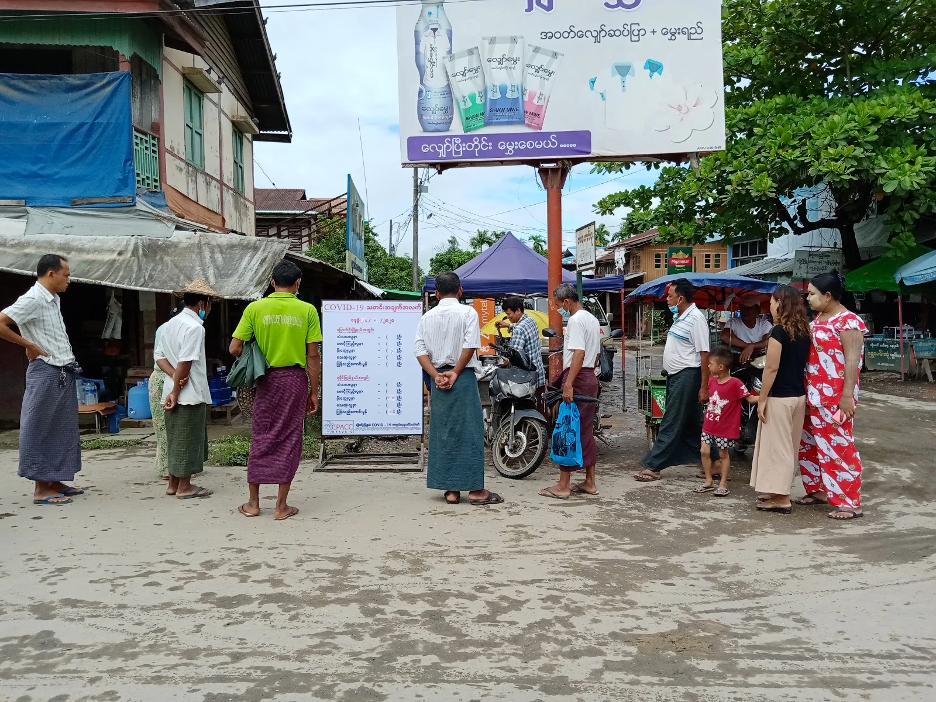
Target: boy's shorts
{"x":718,"y":441}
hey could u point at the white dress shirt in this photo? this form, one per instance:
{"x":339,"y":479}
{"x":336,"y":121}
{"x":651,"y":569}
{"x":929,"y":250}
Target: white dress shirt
{"x":685,"y":341}
{"x":446,"y":330}
{"x":582,"y":334}
{"x":741,"y":331}
{"x":38,"y":314}
{"x":182,"y":339}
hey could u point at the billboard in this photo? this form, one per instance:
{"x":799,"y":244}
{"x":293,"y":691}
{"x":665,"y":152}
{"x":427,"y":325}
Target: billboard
{"x":532,"y":80}
{"x":808,"y":263}
{"x":354,"y":259}
{"x":585,"y":248}
{"x":679,"y":260}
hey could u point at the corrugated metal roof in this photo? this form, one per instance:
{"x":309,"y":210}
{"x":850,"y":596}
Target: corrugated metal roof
{"x":639,"y":239}
{"x":766,"y":266}
{"x":295,"y":200}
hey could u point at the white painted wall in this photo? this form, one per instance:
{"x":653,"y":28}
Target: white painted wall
{"x":212,"y":187}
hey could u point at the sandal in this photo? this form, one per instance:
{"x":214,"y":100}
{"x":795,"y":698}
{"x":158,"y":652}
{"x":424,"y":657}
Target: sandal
{"x":809,"y":501}
{"x":778,"y":510}
{"x":839,"y":510}
{"x":456,"y":500}
{"x":547,"y":492}
{"x":702,"y":487}
{"x":492,"y":499}
{"x":578,"y":489}
{"x":647,"y":476}
{"x":722,"y":492}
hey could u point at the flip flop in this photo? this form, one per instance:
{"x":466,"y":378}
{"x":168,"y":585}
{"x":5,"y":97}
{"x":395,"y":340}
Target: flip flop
{"x":71,"y":491}
{"x":722,"y":492}
{"x":809,"y":501}
{"x":644,"y":478}
{"x":702,"y":487}
{"x":546,"y":492}
{"x":492,"y":499}
{"x":291,"y":514}
{"x":200,"y":492}
{"x":778,"y":510}
{"x":48,"y":500}
{"x":245,"y":513}
{"x":839,"y":510}
{"x":578,"y":489}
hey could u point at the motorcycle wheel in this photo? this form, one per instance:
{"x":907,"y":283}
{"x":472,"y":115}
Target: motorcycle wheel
{"x":520,"y":458}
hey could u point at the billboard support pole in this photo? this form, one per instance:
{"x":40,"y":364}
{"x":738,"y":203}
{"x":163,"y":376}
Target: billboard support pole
{"x":553,"y":179}
{"x":415,"y":230}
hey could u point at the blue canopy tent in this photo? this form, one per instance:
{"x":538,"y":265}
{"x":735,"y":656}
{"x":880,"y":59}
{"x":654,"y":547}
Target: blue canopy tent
{"x":713,"y":290}
{"x":919,"y":271}
{"x":510,"y":266}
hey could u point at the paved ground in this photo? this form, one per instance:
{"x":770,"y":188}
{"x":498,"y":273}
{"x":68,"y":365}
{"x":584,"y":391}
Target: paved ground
{"x":379,"y":591}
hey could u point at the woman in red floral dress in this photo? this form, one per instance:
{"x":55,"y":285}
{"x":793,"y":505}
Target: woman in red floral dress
{"x":829,"y":462}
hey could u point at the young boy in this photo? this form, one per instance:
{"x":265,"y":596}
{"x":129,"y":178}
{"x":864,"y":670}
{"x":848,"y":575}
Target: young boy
{"x":722,"y":425}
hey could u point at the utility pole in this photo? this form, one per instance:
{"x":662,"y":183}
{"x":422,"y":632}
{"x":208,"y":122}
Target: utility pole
{"x":390,"y":246}
{"x":416,"y":230}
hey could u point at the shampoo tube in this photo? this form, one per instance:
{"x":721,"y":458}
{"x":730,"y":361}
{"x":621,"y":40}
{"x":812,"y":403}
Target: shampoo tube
{"x":542,"y":65}
{"x":466,"y":77}
{"x":503,"y":72}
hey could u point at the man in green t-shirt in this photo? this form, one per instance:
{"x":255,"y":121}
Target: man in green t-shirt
{"x":288,"y":332}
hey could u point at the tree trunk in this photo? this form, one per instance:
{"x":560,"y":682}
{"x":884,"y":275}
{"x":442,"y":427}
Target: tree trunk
{"x":850,"y":250}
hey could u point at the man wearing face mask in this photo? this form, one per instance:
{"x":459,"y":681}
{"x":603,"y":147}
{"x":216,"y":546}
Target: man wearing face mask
{"x":685,"y":362}
{"x":288,"y":333}
{"x":187,"y":398}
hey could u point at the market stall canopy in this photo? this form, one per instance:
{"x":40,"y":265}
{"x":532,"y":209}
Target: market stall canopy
{"x":711,"y":290}
{"x":510,"y":266}
{"x":137,"y":248}
{"x":882,"y":273}
{"x":918,"y":271}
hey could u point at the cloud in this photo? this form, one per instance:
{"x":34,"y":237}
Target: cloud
{"x":339,"y":74}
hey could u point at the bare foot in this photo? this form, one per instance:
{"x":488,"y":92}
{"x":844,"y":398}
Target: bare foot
{"x":280,"y":515}
{"x":171,"y":491}
{"x":249,"y":510}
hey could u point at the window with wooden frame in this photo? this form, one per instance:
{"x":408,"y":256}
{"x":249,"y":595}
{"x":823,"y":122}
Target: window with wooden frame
{"x":238,"y":144}
{"x":194,"y":107}
{"x":718,"y":260}
{"x":635,"y":262}
{"x":658,"y":260}
{"x":708,"y":261}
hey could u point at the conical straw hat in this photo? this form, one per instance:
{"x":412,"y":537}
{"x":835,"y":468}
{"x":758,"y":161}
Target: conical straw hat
{"x":198,"y":287}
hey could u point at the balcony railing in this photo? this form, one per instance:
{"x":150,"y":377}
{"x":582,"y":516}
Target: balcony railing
{"x":146,"y":160}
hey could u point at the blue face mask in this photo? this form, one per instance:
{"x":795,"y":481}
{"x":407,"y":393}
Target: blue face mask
{"x":564,"y":312}
{"x":202,"y":314}
{"x":675,"y":310}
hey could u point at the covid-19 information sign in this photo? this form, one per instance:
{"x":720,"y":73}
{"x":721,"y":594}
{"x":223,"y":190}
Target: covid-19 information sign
{"x":531,"y":80}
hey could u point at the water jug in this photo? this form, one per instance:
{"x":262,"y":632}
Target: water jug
{"x":138,"y":406}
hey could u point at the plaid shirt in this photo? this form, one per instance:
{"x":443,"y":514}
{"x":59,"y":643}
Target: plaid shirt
{"x":525,"y":337}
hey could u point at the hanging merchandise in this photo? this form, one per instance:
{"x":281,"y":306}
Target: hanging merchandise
{"x":114,"y":324}
{"x":567,"y":437}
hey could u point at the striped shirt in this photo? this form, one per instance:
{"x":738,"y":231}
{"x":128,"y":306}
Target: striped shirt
{"x":686,"y":340}
{"x":447,"y":330}
{"x":38,"y":314}
{"x":525,"y":337}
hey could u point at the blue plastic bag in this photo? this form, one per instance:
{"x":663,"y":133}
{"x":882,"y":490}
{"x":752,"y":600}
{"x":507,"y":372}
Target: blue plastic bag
{"x":567,"y":437}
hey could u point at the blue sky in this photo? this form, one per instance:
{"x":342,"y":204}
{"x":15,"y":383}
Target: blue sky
{"x":339,"y":70}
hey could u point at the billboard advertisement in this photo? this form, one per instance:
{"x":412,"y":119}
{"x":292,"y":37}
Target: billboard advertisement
{"x":585,"y":249}
{"x":522,"y":80}
{"x":354,"y":260}
{"x":679,"y":260}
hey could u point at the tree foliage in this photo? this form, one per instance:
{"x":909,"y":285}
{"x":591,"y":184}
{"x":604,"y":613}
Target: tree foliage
{"x":538,"y":243}
{"x":383,"y":270}
{"x":484,"y":238}
{"x":450,"y":257}
{"x":833,"y":94}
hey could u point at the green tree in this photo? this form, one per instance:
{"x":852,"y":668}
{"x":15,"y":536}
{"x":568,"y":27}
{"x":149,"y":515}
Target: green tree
{"x":383,"y":270}
{"x":829,"y":94}
{"x":484,"y":238}
{"x":602,"y":235}
{"x":450,"y":257}
{"x":538,"y":242}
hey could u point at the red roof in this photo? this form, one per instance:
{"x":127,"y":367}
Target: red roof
{"x":295,"y":200}
{"x":638,"y":239}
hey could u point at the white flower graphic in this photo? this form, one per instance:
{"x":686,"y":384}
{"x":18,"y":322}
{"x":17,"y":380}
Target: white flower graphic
{"x":685,"y":109}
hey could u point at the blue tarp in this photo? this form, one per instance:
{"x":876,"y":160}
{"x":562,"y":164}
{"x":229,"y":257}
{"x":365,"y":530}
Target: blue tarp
{"x":919,"y":271}
{"x":712,"y":289}
{"x":510,"y":266}
{"x":64,"y":137}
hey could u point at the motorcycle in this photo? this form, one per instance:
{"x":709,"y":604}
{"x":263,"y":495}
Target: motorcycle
{"x":751,"y":374}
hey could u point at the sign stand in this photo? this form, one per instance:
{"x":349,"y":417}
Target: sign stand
{"x":372,"y":385}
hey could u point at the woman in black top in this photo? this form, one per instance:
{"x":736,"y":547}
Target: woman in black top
{"x":782,"y":406}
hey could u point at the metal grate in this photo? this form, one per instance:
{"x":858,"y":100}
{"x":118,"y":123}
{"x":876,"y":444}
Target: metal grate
{"x":146,"y":160}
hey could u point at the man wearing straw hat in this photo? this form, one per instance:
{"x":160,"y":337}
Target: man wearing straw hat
{"x":187,"y":397}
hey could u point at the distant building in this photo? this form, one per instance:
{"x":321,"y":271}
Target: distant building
{"x":289,"y":214}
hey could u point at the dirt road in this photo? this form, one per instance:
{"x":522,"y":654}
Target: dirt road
{"x":379,"y":591}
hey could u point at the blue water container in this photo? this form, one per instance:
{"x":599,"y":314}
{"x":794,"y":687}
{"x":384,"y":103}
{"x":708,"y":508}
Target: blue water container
{"x":138,"y":405}
{"x":113,"y":425}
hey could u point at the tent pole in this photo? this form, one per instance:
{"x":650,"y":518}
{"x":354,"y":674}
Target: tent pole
{"x":623,"y":357}
{"x":553,"y":179}
{"x":900,"y":322}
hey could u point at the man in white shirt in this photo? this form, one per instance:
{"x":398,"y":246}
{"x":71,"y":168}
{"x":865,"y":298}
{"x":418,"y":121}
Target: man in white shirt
{"x":579,"y":355}
{"x":447,"y":340}
{"x":685,"y":364}
{"x":750,"y":332}
{"x":187,"y":397}
{"x":49,"y":445}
